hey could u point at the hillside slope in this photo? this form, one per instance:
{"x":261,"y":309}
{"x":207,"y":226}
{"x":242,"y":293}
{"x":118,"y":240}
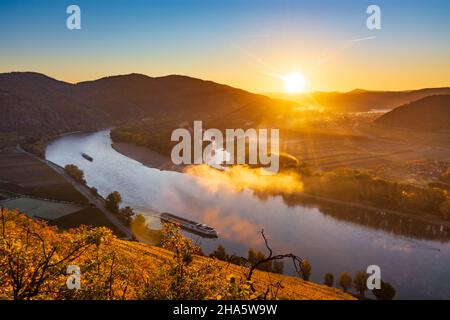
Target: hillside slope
{"x":430,"y":114}
{"x":360,"y":100}
{"x":33,"y":103}
{"x":174,"y":96}
{"x":39,"y":255}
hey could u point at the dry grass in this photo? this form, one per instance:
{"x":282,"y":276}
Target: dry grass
{"x":293,"y":288}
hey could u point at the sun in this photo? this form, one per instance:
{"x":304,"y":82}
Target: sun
{"x":294,"y":82}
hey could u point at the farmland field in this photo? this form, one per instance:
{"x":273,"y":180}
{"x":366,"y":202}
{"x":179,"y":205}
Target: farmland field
{"x":87,"y":216}
{"x":22,"y":174}
{"x":39,"y":208}
{"x":23,"y":177}
{"x":388,"y":153}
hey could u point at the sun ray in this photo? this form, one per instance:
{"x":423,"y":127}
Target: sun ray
{"x":294,"y":82}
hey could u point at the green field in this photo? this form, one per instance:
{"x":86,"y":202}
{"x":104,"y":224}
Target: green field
{"x":89,"y":217}
{"x":38,"y":208}
{"x":65,"y":215}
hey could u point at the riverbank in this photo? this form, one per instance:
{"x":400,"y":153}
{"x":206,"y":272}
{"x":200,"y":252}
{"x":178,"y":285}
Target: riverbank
{"x":104,"y":216}
{"x":146,"y":156}
{"x":429,"y":219}
{"x":25,"y":175}
{"x":153,"y":159}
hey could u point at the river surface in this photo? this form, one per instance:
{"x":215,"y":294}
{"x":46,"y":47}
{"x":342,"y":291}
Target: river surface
{"x":414,"y":257}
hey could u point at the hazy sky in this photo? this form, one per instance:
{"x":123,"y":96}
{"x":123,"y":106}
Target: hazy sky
{"x":241,"y":43}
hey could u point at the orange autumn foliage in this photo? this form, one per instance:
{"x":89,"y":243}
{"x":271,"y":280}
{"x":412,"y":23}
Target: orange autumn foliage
{"x":34,"y":258}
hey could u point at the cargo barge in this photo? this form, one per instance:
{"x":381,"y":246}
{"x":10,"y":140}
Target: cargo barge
{"x":87,"y":157}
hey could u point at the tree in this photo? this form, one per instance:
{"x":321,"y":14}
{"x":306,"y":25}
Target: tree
{"x":345,"y":281}
{"x":76,"y":173}
{"x":272,"y":289}
{"x":252,"y":256}
{"x":182,"y":278}
{"x":386,"y":291}
{"x":305,"y":269}
{"x":35,"y":145}
{"x":257,"y":257}
{"x":127,"y":213}
{"x":34,"y":257}
{"x":360,"y":283}
{"x":220,"y":253}
{"x":263,"y":266}
{"x":94,"y":191}
{"x":328,"y":279}
{"x":113,"y":200}
{"x":277,"y":267}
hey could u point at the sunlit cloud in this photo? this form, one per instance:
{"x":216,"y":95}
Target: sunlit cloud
{"x":240,"y":177}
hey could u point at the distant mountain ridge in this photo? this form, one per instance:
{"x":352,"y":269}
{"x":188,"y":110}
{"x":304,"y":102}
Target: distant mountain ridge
{"x":360,"y":100}
{"x":429,"y":113}
{"x":33,"y":103}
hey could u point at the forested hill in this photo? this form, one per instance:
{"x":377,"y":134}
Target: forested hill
{"x":430,"y":114}
{"x":360,"y":100}
{"x":34,"y":103}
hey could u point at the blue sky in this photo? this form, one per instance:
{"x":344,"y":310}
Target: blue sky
{"x":241,"y":43}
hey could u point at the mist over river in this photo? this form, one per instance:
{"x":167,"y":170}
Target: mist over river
{"x":413,"y":256}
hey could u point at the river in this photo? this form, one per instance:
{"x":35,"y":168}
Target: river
{"x":414,"y":257}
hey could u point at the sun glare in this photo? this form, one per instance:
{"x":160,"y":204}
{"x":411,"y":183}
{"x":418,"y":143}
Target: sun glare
{"x":294,"y":82}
